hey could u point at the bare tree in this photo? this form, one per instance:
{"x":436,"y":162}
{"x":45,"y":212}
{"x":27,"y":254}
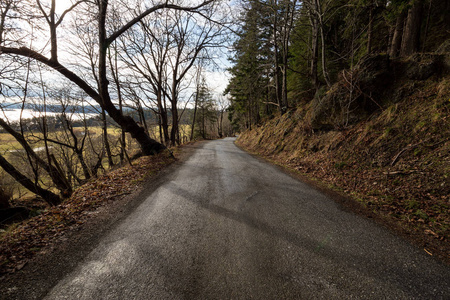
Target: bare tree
{"x":198,"y":83}
{"x":222,"y":104}
{"x":101,"y":93}
{"x":190,"y":42}
{"x":317,"y":10}
{"x":151,"y":40}
{"x":163,"y":52}
{"x":47,"y":195}
{"x":56,"y":176}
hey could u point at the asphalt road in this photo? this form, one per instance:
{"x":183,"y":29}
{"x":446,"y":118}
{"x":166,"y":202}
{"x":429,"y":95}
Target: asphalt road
{"x":225,"y":225}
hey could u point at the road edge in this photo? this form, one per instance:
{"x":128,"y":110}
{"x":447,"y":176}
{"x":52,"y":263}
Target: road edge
{"x":350,"y":204}
{"x":45,"y":270}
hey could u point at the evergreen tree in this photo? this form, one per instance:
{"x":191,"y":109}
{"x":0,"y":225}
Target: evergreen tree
{"x":249,"y":85}
{"x":206,"y":114}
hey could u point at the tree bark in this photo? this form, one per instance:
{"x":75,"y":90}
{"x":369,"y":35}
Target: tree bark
{"x":106,"y":140}
{"x":48,"y":196}
{"x":322,"y":39}
{"x":195,"y":110}
{"x":276,"y":65}
{"x":115,"y":75}
{"x":411,"y":31}
{"x":397,"y":36}
{"x":314,"y":50}
{"x":370,"y":29}
{"x":163,"y":114}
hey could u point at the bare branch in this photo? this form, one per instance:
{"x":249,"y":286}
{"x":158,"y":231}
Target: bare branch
{"x":27,"y":52}
{"x":127,"y":26}
{"x":67,"y":11}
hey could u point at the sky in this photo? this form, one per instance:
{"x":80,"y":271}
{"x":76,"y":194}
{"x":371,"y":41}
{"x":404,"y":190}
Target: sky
{"x":217,"y":80}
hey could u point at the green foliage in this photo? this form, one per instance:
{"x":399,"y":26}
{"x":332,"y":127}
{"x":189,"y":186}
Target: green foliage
{"x":298,"y":74}
{"x":348,"y":33}
{"x":206,"y":112}
{"x":250,"y":84}
{"x":412,"y":204}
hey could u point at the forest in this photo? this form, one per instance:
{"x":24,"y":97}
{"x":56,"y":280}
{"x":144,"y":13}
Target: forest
{"x":288,"y":52}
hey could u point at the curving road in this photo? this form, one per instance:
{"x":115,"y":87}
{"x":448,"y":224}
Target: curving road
{"x":225,"y":225}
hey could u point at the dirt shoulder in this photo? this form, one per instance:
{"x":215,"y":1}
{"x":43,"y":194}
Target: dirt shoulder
{"x":40,"y":251}
{"x":358,"y":202}
{"x":392,"y":162}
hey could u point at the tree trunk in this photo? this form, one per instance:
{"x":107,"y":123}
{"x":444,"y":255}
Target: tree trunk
{"x":57,"y":178}
{"x":48,"y":196}
{"x":106,"y":141}
{"x":322,"y":39}
{"x":148,"y":145}
{"x":275,"y":63}
{"x":174,"y":102}
{"x":195,"y":112}
{"x":174,"y":134}
{"x":84,"y":167}
{"x":115,"y":75}
{"x":314,"y":51}
{"x":163,"y":115}
{"x":397,"y":36}
{"x":370,"y":29}
{"x":220,"y":127}
{"x":411,"y":32}
{"x":160,"y":128}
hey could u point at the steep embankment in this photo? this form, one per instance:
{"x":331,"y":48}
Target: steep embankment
{"x":394,"y":161}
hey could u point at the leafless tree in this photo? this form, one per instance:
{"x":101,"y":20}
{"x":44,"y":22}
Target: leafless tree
{"x":10,"y":45}
{"x":164,"y":51}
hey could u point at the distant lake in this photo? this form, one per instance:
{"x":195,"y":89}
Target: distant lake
{"x":13,"y":115}
{"x":38,"y":149}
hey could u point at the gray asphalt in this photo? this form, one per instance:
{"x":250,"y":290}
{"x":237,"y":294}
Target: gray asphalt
{"x":225,"y":225}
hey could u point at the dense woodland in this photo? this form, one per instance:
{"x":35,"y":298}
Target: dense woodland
{"x":289,"y":52}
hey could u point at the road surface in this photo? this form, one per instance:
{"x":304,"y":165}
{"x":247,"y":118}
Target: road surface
{"x":225,"y":225}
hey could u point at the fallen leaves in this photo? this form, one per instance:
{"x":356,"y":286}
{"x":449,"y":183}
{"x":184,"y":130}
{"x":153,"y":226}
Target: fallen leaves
{"x":21,"y":243}
{"x":399,"y":173}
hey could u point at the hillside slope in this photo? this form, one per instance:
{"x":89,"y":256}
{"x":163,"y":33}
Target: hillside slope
{"x":387,"y":146}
